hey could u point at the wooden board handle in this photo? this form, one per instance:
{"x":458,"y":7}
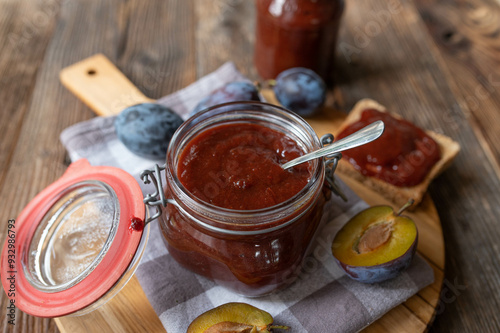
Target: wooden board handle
{"x":101,"y":85}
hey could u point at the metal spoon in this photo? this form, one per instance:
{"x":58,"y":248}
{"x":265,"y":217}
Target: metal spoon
{"x":361,"y":137}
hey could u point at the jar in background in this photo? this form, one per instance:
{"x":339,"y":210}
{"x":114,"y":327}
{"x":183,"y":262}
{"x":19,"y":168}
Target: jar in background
{"x":251,"y":252}
{"x":296,"y":33}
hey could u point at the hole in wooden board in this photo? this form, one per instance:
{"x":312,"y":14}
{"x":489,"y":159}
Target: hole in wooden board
{"x":452,"y":37}
{"x":91,"y":71}
{"x":448,"y":35}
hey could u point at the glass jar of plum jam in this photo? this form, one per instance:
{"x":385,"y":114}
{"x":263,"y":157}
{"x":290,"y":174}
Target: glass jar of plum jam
{"x":249,"y":235}
{"x":296,"y":33}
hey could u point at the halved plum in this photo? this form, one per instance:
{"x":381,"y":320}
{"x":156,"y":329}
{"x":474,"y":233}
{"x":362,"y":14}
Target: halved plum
{"x":376,"y":245}
{"x":234,"y":317}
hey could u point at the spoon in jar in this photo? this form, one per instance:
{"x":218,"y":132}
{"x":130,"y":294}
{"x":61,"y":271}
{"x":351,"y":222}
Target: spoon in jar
{"x":361,"y":137}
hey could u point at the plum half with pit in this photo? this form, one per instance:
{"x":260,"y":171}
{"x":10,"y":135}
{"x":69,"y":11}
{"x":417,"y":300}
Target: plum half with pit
{"x":233,"y":317}
{"x":376,"y":245}
{"x":146,"y":129}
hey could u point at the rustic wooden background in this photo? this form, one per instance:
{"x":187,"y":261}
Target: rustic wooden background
{"x":435,"y":62}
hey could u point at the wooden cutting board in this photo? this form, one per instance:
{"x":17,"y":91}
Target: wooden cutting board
{"x":107,"y":91}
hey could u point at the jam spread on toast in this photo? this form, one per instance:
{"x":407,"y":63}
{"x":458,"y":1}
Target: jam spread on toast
{"x":402,"y":156}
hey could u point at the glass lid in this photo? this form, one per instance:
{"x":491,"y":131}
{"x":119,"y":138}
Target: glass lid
{"x":75,"y":240}
{"x":73,"y":236}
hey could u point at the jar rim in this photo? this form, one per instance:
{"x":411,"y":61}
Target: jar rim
{"x":233,"y":220}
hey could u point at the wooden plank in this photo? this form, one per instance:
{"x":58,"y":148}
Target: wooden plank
{"x":156,"y":49}
{"x":225,"y":32}
{"x":25,"y":32}
{"x":23,"y":48}
{"x":467,"y":36}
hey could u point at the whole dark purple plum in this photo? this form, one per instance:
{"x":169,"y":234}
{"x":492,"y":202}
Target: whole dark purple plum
{"x":232,"y":92}
{"x":300,"y":90}
{"x":146,"y":129}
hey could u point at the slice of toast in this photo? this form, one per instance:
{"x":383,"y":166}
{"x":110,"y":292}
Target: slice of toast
{"x":398,"y":195}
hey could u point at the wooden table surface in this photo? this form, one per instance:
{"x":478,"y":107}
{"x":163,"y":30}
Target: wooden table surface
{"x":436,"y":63}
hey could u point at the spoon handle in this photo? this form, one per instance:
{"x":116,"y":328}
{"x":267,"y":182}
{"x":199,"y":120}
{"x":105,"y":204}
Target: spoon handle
{"x":361,"y":137}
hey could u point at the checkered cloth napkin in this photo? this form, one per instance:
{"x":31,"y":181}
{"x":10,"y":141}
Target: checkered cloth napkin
{"x":323,"y":299}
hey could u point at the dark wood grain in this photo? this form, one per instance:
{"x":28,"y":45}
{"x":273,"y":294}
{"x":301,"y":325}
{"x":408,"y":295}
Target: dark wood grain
{"x":24,"y":41}
{"x":26,"y":30}
{"x":156,"y":50}
{"x":467,"y":35}
{"x":434,"y":62}
{"x":225,"y":32}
